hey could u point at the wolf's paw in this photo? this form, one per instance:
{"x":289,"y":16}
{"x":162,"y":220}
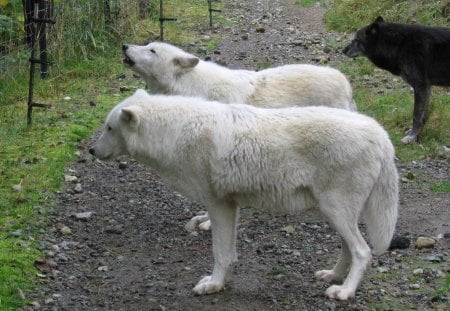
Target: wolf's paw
{"x":408,"y":139}
{"x":339,"y":292}
{"x":206,"y":286}
{"x":327,"y":276}
{"x":206,"y":225}
{"x":198,"y":220}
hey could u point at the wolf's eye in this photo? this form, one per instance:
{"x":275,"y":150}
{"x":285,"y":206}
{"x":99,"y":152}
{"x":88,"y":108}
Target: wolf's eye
{"x":153,"y":51}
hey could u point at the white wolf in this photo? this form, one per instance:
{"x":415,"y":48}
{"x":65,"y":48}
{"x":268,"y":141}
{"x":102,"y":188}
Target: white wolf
{"x":224,"y":156}
{"x":170,"y":70}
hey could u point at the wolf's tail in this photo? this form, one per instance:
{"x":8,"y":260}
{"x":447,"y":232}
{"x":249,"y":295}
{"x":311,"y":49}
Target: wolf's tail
{"x":382,"y":206}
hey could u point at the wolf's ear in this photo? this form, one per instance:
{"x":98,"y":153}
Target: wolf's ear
{"x":372,"y":29}
{"x":130,"y":115}
{"x":379,"y":19}
{"x":186,"y":62}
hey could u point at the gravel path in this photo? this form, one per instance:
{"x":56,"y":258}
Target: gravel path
{"x":117,"y":239}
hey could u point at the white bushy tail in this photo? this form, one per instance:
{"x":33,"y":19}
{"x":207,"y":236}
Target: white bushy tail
{"x":382,"y":207}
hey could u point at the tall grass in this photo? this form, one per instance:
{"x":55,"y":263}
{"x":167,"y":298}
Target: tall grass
{"x":349,"y":15}
{"x":85,"y":48}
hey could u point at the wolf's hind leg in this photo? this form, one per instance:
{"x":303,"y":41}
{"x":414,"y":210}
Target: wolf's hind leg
{"x":343,"y":216}
{"x":341,"y":267}
{"x":420,"y":115}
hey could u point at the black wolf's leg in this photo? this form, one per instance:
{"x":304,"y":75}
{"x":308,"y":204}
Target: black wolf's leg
{"x":421,"y":103}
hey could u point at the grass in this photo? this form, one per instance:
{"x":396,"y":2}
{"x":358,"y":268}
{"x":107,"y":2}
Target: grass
{"x":443,"y":186}
{"x":398,"y":299}
{"x":349,"y":15}
{"x":36,"y":156}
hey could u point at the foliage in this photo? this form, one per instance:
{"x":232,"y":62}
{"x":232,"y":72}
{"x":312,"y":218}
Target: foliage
{"x":85,"y":47}
{"x":443,"y":186}
{"x":11,"y":22}
{"x":349,"y":15}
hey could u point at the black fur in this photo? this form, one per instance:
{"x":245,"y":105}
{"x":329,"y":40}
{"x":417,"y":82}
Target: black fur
{"x":419,"y":54}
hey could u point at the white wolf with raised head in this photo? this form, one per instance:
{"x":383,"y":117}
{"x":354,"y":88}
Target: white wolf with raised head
{"x":224,"y":156}
{"x":168,"y":69}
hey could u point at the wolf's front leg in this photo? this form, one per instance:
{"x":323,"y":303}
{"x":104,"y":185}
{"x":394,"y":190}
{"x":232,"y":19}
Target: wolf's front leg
{"x":224,"y":219}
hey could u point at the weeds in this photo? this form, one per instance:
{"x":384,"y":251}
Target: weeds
{"x":85,"y":48}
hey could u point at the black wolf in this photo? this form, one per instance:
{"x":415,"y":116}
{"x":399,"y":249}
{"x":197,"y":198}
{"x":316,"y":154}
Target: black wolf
{"x":419,"y":54}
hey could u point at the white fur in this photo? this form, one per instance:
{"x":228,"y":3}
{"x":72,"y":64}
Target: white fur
{"x":170,"y":70}
{"x":282,"y":160}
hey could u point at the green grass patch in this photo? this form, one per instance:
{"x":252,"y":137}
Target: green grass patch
{"x":82,"y":88}
{"x":443,"y":186}
{"x":349,"y":15}
{"x":35,"y":158}
{"x":397,"y":298}
{"x":277,"y":271}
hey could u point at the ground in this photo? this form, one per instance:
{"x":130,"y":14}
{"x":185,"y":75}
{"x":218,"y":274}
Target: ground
{"x":130,"y":250}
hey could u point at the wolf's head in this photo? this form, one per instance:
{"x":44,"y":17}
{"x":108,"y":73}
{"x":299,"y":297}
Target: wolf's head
{"x":121,"y":127}
{"x":158,"y":62}
{"x":365,"y":40}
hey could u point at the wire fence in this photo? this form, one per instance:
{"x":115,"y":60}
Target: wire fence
{"x":38,"y":33}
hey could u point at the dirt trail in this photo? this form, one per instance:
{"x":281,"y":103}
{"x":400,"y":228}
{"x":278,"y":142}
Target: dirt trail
{"x":130,"y":251}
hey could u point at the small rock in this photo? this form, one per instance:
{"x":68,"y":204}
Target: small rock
{"x":435,"y":258}
{"x":113,"y":230}
{"x":383,"y":269}
{"x":78,"y":188}
{"x":21,"y":294}
{"x":414,"y":286}
{"x":418,"y":271}
{"x":35,"y":304}
{"x":425,"y":242}
{"x":290,"y":30}
{"x":55,"y":248}
{"x":399,"y":242}
{"x":103,"y":268}
{"x":65,"y":230}
{"x":67,"y":98}
{"x":16,"y":233}
{"x":123,"y":165}
{"x":49,"y":301}
{"x":70,"y":178}
{"x":17,"y":187}
{"x":260,"y":29}
{"x":289,"y":229}
{"x":83,"y":216}
{"x":444,"y":152}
